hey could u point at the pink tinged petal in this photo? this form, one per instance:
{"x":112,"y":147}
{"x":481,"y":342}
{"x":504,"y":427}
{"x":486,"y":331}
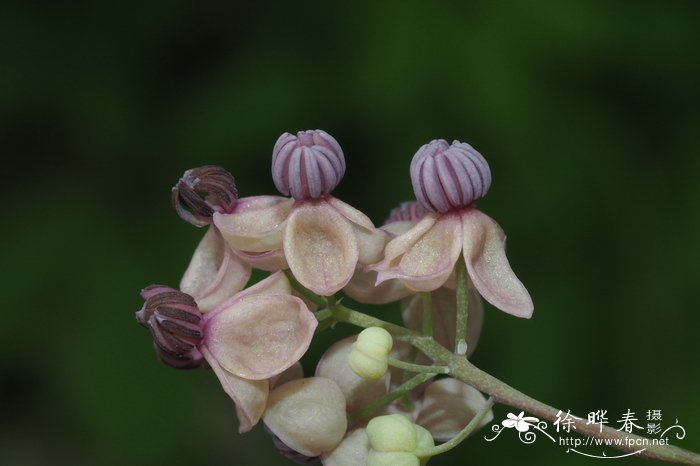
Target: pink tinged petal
{"x":398,"y":246}
{"x":271,"y":261}
{"x":430,"y":260}
{"x":308,"y":415}
{"x":488,"y":267}
{"x":370,"y":240}
{"x":352,"y":451}
{"x":250,"y":396}
{"x":444,"y":306}
{"x":214,"y":273}
{"x":320,"y":247}
{"x":358,"y":392}
{"x":276,"y":283}
{"x":362,"y":288}
{"x":448,"y":406}
{"x":256,"y":223}
{"x":260,"y":336}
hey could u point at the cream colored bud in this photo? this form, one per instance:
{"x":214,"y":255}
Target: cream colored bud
{"x":370,"y":353}
{"x":392,"y":433}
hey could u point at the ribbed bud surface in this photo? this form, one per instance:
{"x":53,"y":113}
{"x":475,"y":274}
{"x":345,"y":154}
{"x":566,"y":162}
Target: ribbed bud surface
{"x":174,"y":321}
{"x":201,"y":192}
{"x":308,"y":165}
{"x":447,"y":177}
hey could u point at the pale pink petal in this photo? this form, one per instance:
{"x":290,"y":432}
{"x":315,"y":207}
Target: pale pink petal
{"x":320,"y":247}
{"x":362,"y":288}
{"x":261,"y":335}
{"x":276,"y":283}
{"x":358,"y":391}
{"x":352,"y":451}
{"x":250,"y":396}
{"x":448,"y":406}
{"x":370,"y":240}
{"x":488,"y":267}
{"x":271,"y":261}
{"x":308,"y":415}
{"x":256,"y":223}
{"x":214,"y":273}
{"x":444,"y":305}
{"x":398,"y":246}
{"x":429,"y":261}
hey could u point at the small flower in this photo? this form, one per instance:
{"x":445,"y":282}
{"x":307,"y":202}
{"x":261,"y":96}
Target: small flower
{"x":175,"y":323}
{"x":307,"y":415}
{"x":369,"y":355}
{"x":446,"y":180}
{"x":318,"y":237}
{"x":521,"y":422}
{"x":217,"y":187}
{"x":253,"y":337}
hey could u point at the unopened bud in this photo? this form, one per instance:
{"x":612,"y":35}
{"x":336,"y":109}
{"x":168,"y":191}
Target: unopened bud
{"x":447,"y":177}
{"x":202,"y":191}
{"x":370,"y":353}
{"x":174,"y":321}
{"x":308,"y":165}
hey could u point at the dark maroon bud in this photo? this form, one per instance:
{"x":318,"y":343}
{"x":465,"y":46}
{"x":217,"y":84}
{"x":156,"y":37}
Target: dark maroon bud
{"x":201,"y":192}
{"x":175,"y":323}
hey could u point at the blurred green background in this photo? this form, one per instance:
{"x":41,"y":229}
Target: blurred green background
{"x":588,"y":112}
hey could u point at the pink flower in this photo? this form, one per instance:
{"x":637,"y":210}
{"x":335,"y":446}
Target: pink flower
{"x":446,"y":180}
{"x":318,"y":237}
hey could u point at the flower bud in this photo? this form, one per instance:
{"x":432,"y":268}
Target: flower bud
{"x":447,"y":177}
{"x":395,"y":441}
{"x":370,"y":353}
{"x":201,"y":192}
{"x":308,"y":165}
{"x":174,"y":321}
{"x":289,"y":453}
{"x":308,"y":415}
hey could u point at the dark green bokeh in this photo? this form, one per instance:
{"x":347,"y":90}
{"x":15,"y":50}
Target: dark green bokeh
{"x":588,"y":113}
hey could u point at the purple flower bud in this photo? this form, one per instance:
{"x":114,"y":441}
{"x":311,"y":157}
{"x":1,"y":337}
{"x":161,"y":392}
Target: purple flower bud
{"x":409,"y":211}
{"x":202,"y":191}
{"x":447,"y":177}
{"x":308,"y":165}
{"x":174,"y":321}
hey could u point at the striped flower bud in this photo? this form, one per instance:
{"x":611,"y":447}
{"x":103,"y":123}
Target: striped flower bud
{"x":308,"y":165}
{"x":370,"y":353}
{"x":174,"y":321}
{"x":447,"y":177}
{"x":201,"y":192}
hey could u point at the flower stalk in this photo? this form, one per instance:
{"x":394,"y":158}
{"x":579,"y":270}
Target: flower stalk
{"x":462,"y":308}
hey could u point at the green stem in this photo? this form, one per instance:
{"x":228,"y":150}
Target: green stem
{"x":395,"y":394}
{"x":308,"y":294}
{"x":419,"y":368}
{"x":462,"y":369}
{"x":464,"y":433}
{"x":462,"y":308}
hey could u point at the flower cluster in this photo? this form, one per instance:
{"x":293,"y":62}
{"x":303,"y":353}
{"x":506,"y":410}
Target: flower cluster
{"x":361,"y":406}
